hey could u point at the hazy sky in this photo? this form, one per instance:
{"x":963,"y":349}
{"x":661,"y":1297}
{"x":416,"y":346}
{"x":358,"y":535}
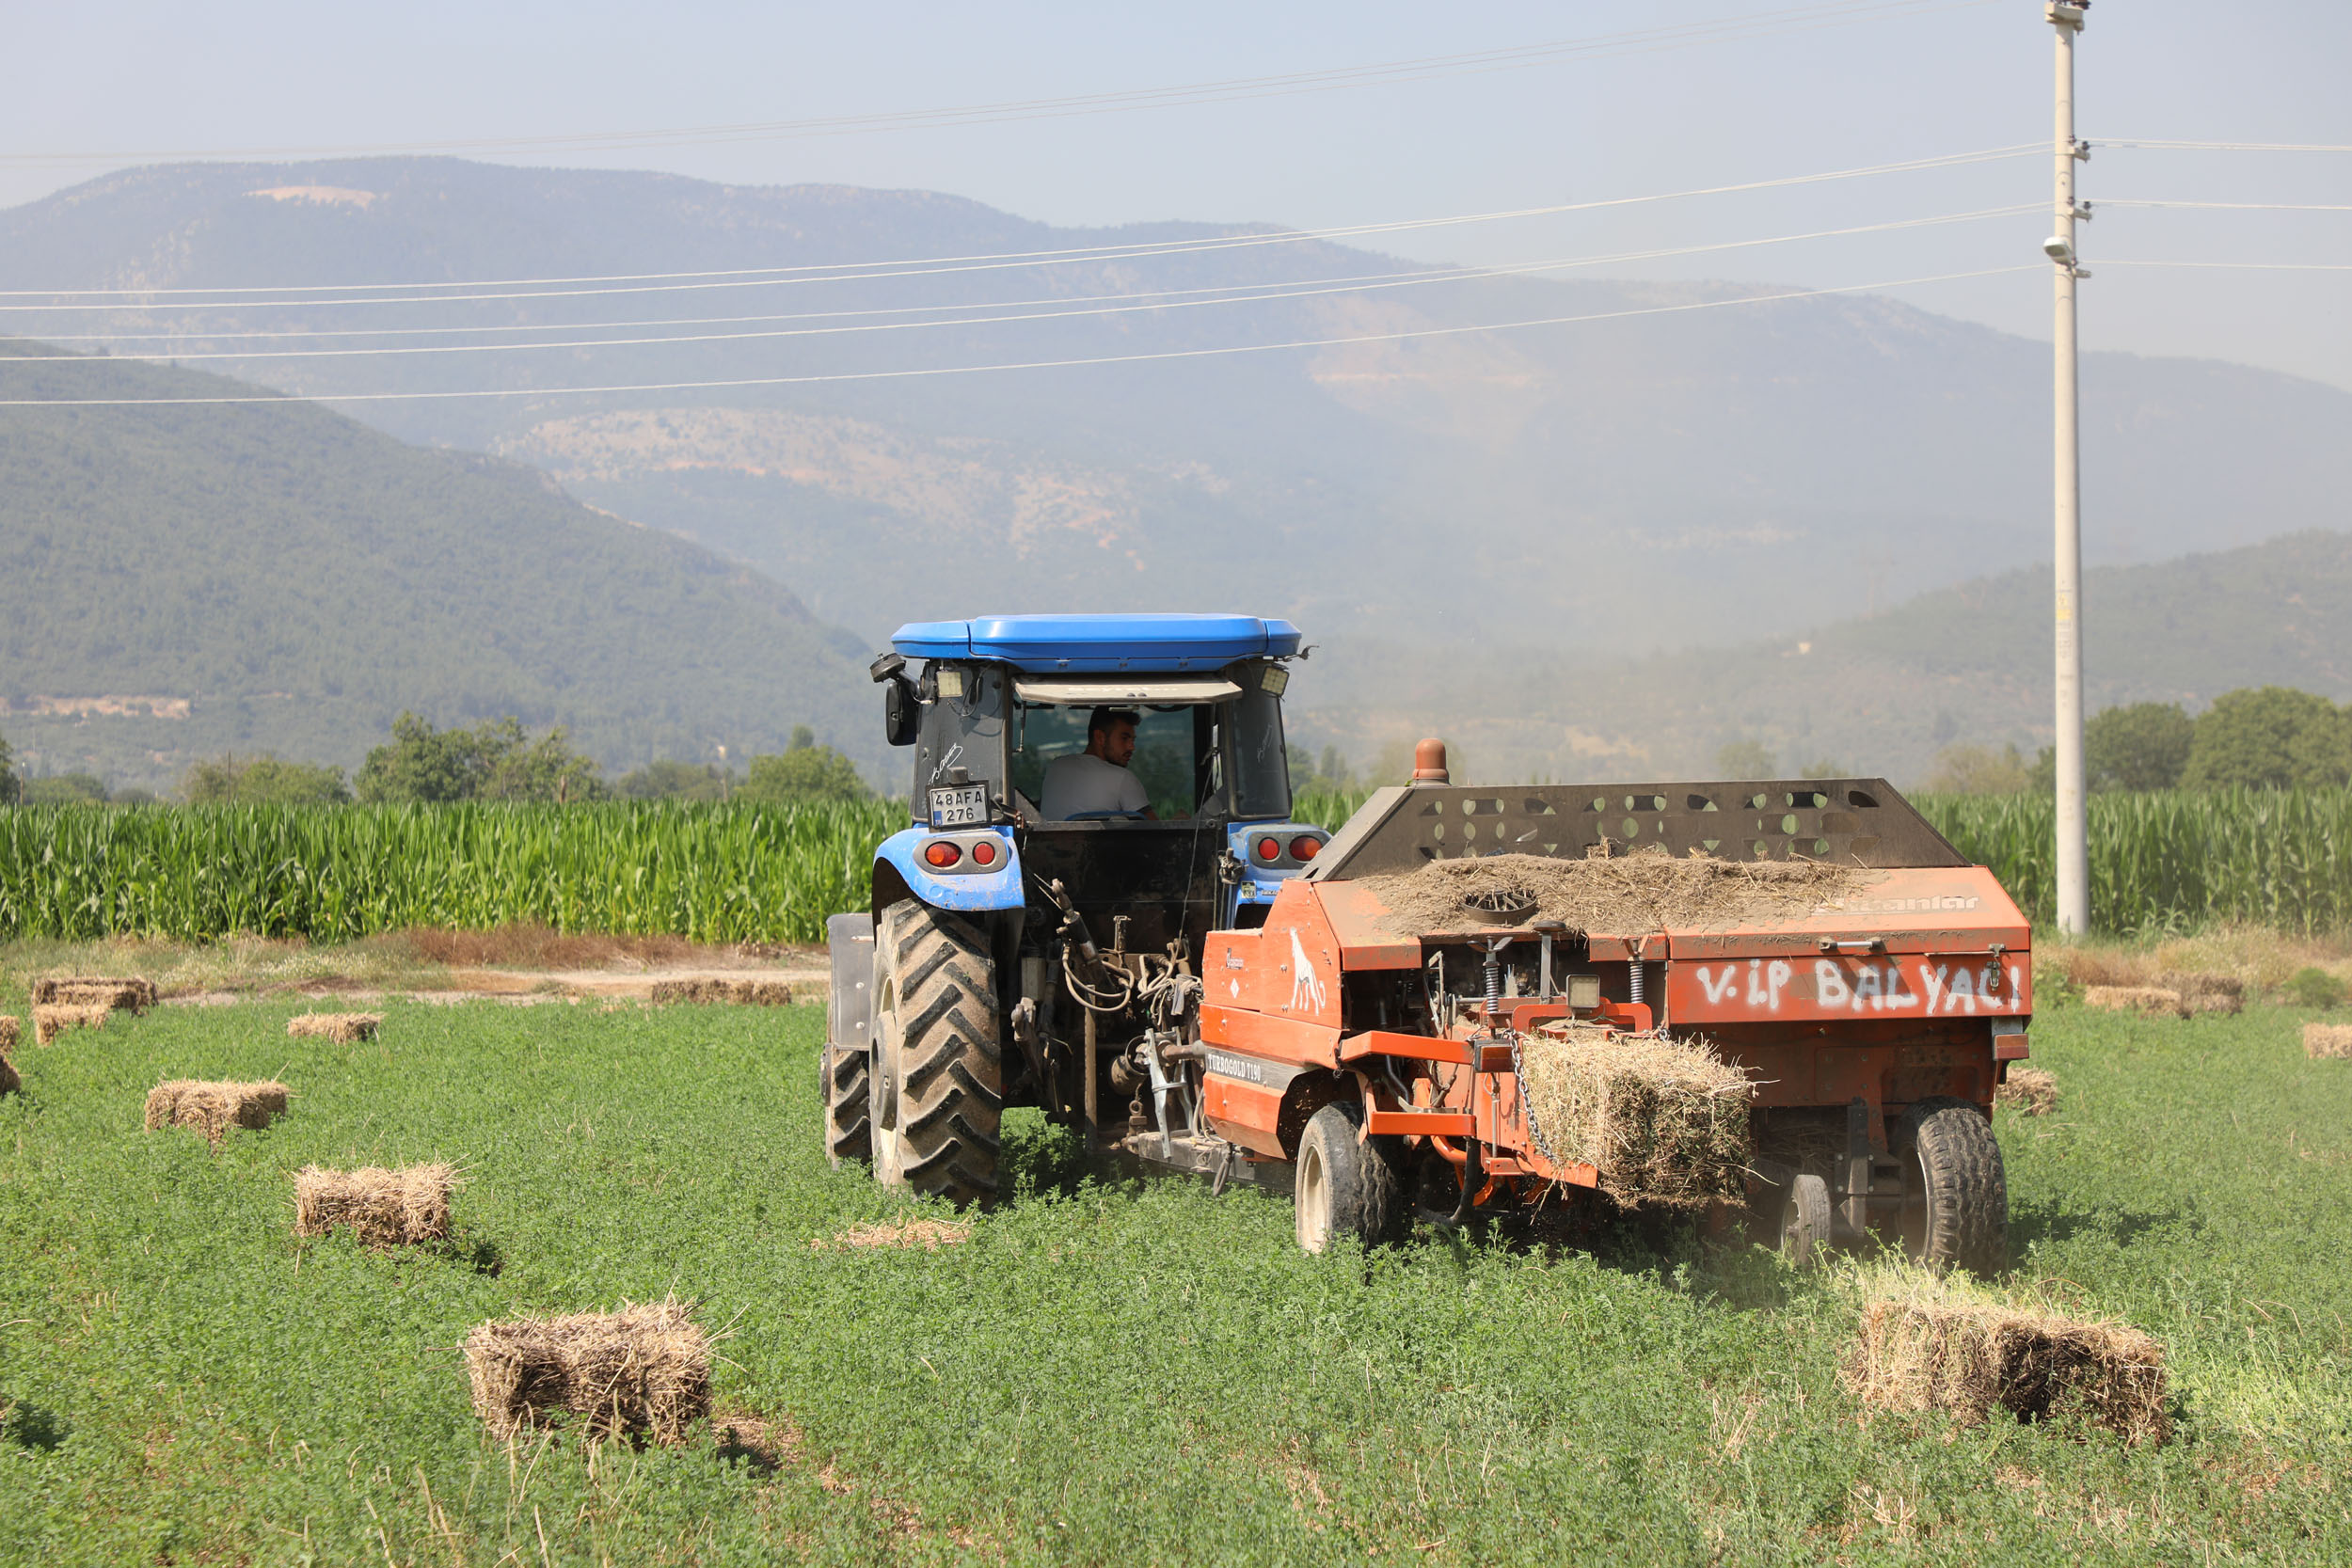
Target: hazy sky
{"x":1903,"y":81}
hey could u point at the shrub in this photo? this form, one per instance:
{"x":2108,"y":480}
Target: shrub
{"x":2313,"y":988}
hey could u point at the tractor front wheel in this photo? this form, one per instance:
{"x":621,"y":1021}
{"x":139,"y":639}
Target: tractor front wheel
{"x":935,"y":1090}
{"x":1955,"y":1214}
{"x":1344,"y":1186}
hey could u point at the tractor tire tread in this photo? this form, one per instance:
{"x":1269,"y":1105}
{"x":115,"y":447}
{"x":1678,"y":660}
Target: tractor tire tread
{"x":849,"y":1128}
{"x":952,"y":1093}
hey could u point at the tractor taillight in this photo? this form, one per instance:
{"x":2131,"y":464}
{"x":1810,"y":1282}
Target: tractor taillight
{"x":1269,"y":849}
{"x":943,"y":854}
{"x":983,"y":853}
{"x":1303,"y":847}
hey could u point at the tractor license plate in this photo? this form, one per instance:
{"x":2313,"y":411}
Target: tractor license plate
{"x":964,"y":806}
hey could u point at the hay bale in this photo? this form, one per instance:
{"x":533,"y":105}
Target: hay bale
{"x":641,"y":1371}
{"x":2153,"y":1000}
{"x":382,"y":1208}
{"x":2328,"y":1040}
{"x":1923,"y":1349}
{"x":9,"y":1081}
{"x":1662,"y":1120}
{"x":2029,"y":1091}
{"x":214,"y":1107}
{"x":342,"y":1028}
{"x":11,"y":1030}
{"x":745,"y":993}
{"x":133,"y":993}
{"x":49,"y":1022}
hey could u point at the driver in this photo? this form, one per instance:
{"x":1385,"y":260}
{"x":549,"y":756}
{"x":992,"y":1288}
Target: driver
{"x":1097,"y":780}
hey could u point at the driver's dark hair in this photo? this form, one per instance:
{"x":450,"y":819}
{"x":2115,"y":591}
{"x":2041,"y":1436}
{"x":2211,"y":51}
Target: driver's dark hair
{"x":1102,"y":719}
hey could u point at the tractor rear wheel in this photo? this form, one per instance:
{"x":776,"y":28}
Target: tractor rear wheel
{"x":936,"y":1087}
{"x":841,"y":1085}
{"x":1955,"y":1214}
{"x":1805,"y":1222}
{"x":1345,"y":1185}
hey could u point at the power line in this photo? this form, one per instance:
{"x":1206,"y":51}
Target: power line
{"x":1424,"y":68}
{"x":2234,"y":206}
{"x":1216,"y":352}
{"x":1308,"y":288}
{"x":2255,"y":266}
{"x":2221,"y":146}
{"x":552,"y":288}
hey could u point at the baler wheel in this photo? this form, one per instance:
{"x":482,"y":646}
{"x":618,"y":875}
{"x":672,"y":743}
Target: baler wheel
{"x":842,"y":1085}
{"x":1958,"y":1212}
{"x":1344,"y":1184}
{"x":936,"y":1089}
{"x":1805,"y":1222}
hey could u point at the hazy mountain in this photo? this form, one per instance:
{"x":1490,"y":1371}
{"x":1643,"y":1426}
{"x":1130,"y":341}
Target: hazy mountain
{"x":177,"y":581}
{"x":1591,"y":490}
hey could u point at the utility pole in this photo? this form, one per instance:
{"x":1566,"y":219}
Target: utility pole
{"x":2073,"y":824}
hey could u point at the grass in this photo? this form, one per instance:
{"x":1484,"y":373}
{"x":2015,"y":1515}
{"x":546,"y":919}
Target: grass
{"x":1100,"y":1373}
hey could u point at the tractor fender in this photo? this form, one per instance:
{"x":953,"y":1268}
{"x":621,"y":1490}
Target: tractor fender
{"x":849,"y":1001}
{"x":899,"y":872}
{"x":1310,"y":1092}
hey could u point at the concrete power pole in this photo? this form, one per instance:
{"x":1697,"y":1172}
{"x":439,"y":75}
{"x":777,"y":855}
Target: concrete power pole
{"x":2073,"y":823}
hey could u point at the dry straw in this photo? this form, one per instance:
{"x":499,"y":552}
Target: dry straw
{"x":50,"y":1021}
{"x":342,"y":1028}
{"x":1662,"y":1120}
{"x":1936,"y":1344}
{"x":2208,"y":994}
{"x":213,"y":1108}
{"x":931,"y":1235}
{"x":2154,"y":1001}
{"x":752,"y":993}
{"x":133,"y":993}
{"x":2029,"y":1091}
{"x":1647,"y":890}
{"x":9,"y":1081}
{"x":382,"y":1208}
{"x":644,"y":1371}
{"x":2328,"y":1040}
{"x":11,"y":1030}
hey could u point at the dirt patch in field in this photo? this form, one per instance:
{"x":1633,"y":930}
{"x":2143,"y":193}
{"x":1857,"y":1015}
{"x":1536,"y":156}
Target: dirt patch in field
{"x":931,"y":1235}
{"x":1647,"y":890}
{"x":767,"y":1445}
{"x":527,"y":947}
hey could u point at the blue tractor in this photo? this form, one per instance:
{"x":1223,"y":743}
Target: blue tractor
{"x":1013,"y":959}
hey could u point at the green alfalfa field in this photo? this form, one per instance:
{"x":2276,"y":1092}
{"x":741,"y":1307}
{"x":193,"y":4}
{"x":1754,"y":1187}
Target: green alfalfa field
{"x":1104,"y":1372}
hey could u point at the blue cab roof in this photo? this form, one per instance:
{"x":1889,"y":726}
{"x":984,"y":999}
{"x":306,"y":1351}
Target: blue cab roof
{"x":1101,"y":643}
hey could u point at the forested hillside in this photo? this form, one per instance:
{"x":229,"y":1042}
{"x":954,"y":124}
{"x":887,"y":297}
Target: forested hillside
{"x":182,"y":581}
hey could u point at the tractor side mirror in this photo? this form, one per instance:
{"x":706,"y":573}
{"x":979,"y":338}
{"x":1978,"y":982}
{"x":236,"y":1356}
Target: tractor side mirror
{"x":902,"y":711}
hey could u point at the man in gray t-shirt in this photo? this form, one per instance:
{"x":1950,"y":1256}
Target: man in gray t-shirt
{"x":1097,"y":780}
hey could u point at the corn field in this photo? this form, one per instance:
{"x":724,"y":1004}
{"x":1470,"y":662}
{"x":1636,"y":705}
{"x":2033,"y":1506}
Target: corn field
{"x":2160,"y":863}
{"x":712,"y":873}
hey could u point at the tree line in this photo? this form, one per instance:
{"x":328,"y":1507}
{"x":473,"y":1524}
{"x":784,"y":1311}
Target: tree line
{"x":497,"y":760}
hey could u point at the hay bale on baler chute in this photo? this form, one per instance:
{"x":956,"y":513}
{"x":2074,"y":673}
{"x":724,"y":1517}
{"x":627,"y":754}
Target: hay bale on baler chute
{"x":213,"y":1108}
{"x":1933,"y":1344}
{"x":132,"y":994}
{"x":644,"y":1371}
{"x":341,"y":1028}
{"x":1661,"y":1120}
{"x":382,"y":1208}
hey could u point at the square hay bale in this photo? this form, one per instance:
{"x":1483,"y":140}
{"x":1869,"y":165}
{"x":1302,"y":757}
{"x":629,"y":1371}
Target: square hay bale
{"x":2328,"y":1040}
{"x":1662,"y":1120}
{"x":342,"y":1028}
{"x":2029,"y":1091}
{"x":11,"y":1030}
{"x":2153,"y":1000}
{"x":213,"y":1108}
{"x":51,"y":1019}
{"x":133,"y":993}
{"x":1935,"y":1346}
{"x":642,"y":1371}
{"x":745,"y":993}
{"x":9,"y":1081}
{"x":382,"y":1208}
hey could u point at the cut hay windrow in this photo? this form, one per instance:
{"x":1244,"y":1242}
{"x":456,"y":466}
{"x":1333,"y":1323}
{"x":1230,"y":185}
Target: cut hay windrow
{"x":1627,"y":894}
{"x":747,"y":994}
{"x":2029,"y":1091}
{"x":342,"y":1028}
{"x":382,"y":1208}
{"x":1935,"y":1346}
{"x":214,"y":1107}
{"x":52,"y":1021}
{"x":1661,"y":1120}
{"x":2150,"y":1001}
{"x":131,"y":993}
{"x":642,"y":1371}
{"x":931,"y":1235}
{"x":2328,"y":1040}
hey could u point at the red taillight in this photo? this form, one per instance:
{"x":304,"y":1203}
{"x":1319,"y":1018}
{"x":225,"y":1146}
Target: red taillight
{"x":1303,"y":847}
{"x":943,"y":853}
{"x":1269,"y":849}
{"x":983,"y":853}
